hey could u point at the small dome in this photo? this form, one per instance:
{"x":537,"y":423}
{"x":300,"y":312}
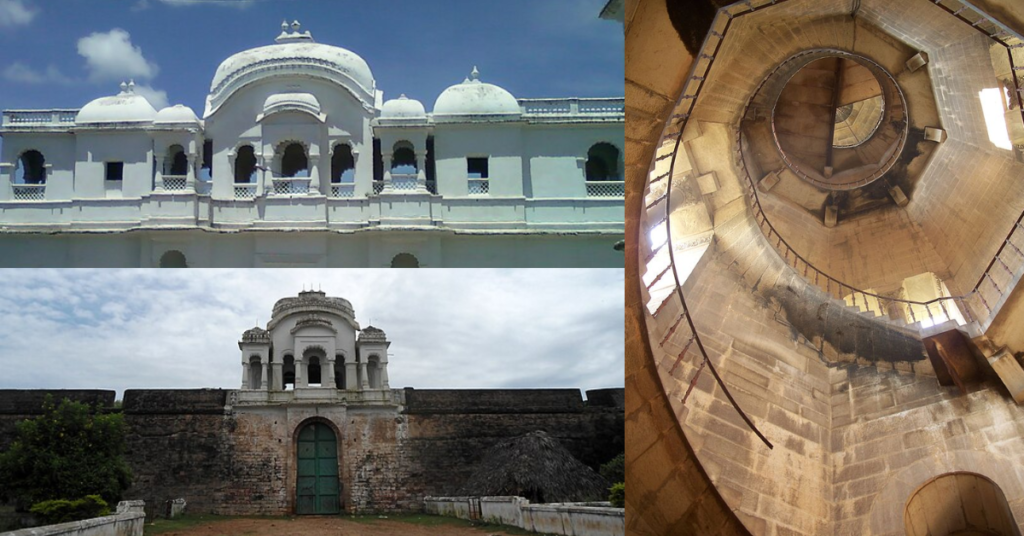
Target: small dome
{"x":403,"y":108}
{"x":473,"y":97}
{"x":179,"y":113}
{"x":256,"y":334}
{"x":371,"y":334}
{"x":302,"y":102}
{"x":125,"y":107}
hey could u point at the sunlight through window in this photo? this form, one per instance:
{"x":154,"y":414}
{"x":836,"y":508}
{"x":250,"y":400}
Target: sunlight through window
{"x":992,"y":106}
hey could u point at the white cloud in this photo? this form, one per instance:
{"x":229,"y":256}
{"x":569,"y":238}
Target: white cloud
{"x":128,"y":329}
{"x":156,"y":97}
{"x":19,"y":72}
{"x":238,"y":4}
{"x":15,"y":13}
{"x":111,"y":56}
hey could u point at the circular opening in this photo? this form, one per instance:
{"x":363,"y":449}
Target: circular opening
{"x":839,"y":120}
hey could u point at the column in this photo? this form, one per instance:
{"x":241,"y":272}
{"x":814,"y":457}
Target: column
{"x":190,"y":175}
{"x":264,"y":381}
{"x":260,"y":178}
{"x":300,"y":376}
{"x":159,"y":186}
{"x":314,"y":174}
{"x":387,"y":170}
{"x":421,"y":171}
{"x":384,"y":376}
{"x":364,"y":383}
{"x":245,"y":375}
{"x":278,"y":376}
{"x":350,"y":376}
{"x":327,"y":376}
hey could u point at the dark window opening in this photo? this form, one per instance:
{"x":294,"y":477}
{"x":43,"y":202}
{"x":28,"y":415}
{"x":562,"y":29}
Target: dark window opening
{"x":339,"y":371}
{"x":206,"y":170}
{"x":431,"y":163}
{"x":378,"y":161}
{"x":343,"y":164}
{"x":173,"y":259}
{"x":405,"y":260}
{"x":294,"y":162}
{"x":115,"y":171}
{"x":403,"y":159}
{"x":245,"y":164}
{"x":31,"y":168}
{"x":476,"y":168}
{"x":176,"y":162}
{"x":603,"y":163}
{"x":314,"y":371}
{"x":288,"y":372}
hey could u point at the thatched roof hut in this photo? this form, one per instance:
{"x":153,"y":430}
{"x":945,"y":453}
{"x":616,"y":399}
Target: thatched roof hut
{"x":538,"y":467}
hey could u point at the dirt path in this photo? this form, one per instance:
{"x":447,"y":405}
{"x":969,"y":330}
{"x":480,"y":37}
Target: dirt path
{"x":328,"y":526}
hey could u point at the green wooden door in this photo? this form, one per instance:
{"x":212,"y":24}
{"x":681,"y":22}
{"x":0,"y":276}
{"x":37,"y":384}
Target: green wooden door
{"x":317,"y":485}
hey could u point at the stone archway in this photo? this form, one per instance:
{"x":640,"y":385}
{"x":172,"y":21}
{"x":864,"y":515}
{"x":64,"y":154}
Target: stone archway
{"x":317,"y":480}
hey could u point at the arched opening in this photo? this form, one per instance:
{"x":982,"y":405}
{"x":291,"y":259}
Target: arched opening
{"x":245,"y":164}
{"x":339,"y":371}
{"x":405,"y":260}
{"x":255,"y":372}
{"x":961,"y":504}
{"x":294,"y":162}
{"x":173,"y":259}
{"x":288,"y":373}
{"x":314,"y":379}
{"x":176,"y":163}
{"x":30,"y":168}
{"x":603,"y":162}
{"x":373,"y":372}
{"x":343,"y":164}
{"x":403,"y":159}
{"x":317,"y":485}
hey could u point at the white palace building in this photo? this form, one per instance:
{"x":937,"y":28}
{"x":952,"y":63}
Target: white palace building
{"x":299,"y":161}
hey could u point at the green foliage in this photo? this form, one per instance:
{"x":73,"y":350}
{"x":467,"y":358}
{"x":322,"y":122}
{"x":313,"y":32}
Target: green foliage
{"x":615,"y":469}
{"x":69,"y":451}
{"x":62,"y":511}
{"x":617,"y":495}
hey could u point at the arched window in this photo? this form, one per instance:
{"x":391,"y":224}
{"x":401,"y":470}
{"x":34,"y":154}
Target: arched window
{"x":339,"y":371}
{"x":405,"y":260}
{"x":255,"y":372}
{"x":288,"y":372}
{"x":31,"y":168}
{"x":343,"y":164}
{"x":603,"y":162}
{"x":403,"y":159}
{"x":958,"y":503}
{"x":314,"y":371}
{"x":173,"y":259}
{"x":245,"y":164}
{"x":176,"y":163}
{"x":294,"y":162}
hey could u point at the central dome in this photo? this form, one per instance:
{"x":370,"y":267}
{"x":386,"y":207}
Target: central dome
{"x":293,"y":53}
{"x":473,"y":97}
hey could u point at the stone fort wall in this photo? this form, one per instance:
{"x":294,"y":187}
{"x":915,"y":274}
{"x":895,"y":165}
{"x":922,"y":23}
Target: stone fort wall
{"x":229,"y":459}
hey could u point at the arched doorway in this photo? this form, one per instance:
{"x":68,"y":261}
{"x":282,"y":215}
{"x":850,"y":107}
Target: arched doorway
{"x":405,"y":260}
{"x":317,"y":488}
{"x":960,"y":504}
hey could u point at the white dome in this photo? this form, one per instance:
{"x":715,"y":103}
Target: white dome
{"x":179,"y":113}
{"x":125,"y":107}
{"x":403,"y":108}
{"x":473,"y":97}
{"x":294,"y":53}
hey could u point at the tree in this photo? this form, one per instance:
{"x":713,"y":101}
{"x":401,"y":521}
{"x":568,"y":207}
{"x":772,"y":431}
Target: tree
{"x":69,"y":452}
{"x":615,"y":469}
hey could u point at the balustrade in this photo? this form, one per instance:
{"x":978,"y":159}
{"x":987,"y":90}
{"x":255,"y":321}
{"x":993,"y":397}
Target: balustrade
{"x":606,"y":189}
{"x":29,"y":192}
{"x":479,"y":186}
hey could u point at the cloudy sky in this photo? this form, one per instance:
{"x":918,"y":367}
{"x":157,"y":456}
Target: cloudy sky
{"x":124,"y":329}
{"x":64,"y":53}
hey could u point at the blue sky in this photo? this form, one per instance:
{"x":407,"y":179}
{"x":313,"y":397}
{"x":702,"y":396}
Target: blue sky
{"x":63,"y":53}
{"x":123,"y":329}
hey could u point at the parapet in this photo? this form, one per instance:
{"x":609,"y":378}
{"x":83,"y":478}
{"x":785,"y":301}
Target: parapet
{"x":493,"y":401}
{"x":175,"y":401}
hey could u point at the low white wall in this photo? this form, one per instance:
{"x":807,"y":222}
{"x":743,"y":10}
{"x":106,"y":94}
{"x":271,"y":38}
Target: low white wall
{"x":569,"y":519}
{"x":128,"y":521}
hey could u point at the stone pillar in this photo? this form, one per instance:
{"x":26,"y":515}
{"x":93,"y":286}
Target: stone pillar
{"x":421,"y":171}
{"x":364,"y":382}
{"x":245,"y":375}
{"x":350,"y":376}
{"x":264,"y":381}
{"x":387,"y":170}
{"x":190,"y":174}
{"x":159,"y":186}
{"x":300,"y":376}
{"x":278,"y":376}
{"x":327,"y":376}
{"x":314,"y":174}
{"x":384,"y":376}
{"x":261,"y":173}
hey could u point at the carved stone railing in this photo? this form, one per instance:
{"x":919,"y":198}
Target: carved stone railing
{"x":245,"y":191}
{"x":343,"y":189}
{"x":606,"y":189}
{"x":401,"y":182}
{"x":29,"y":192}
{"x":175,"y":183}
{"x":378,"y":187}
{"x":573,"y":107}
{"x":291,"y":186}
{"x":479,"y":186}
{"x":38,"y":118}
